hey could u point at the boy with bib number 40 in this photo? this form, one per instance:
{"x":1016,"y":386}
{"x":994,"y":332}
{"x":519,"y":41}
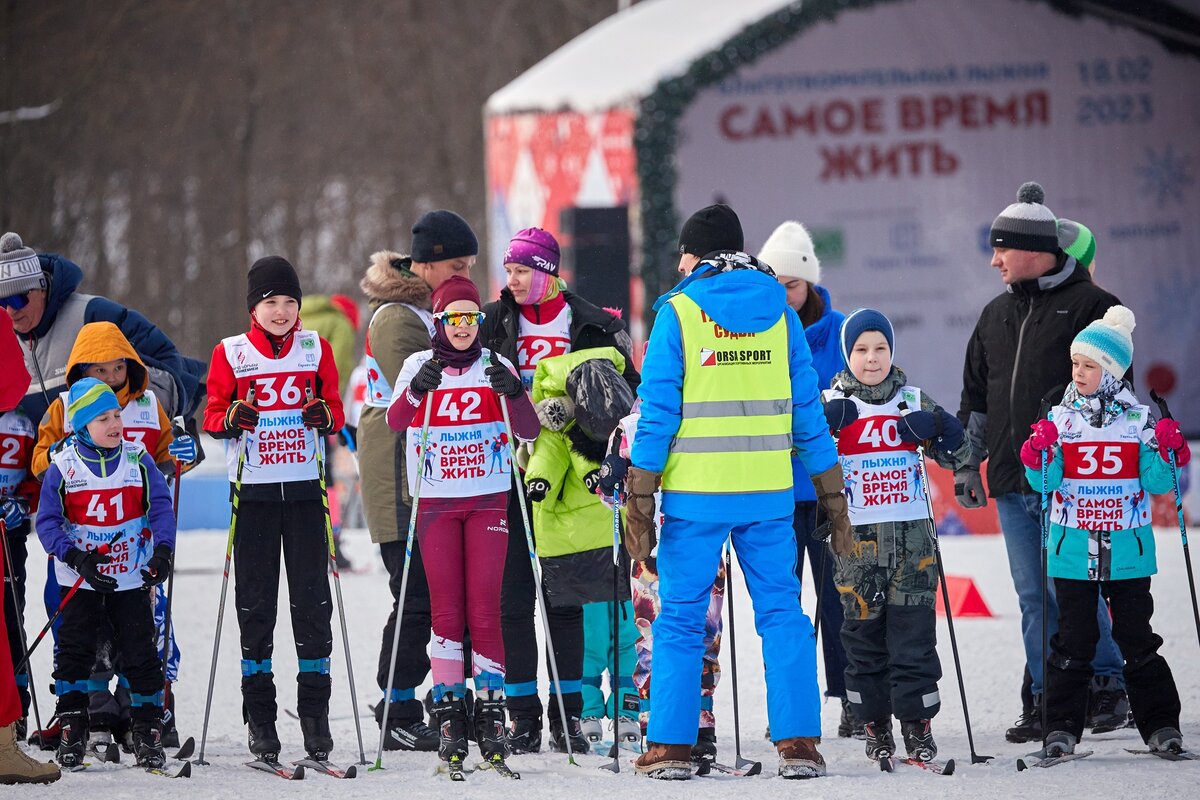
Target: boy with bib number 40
{"x":888,"y":582}
{"x":1104,"y":456}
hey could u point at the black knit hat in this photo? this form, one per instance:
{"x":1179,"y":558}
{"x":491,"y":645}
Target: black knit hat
{"x":271,"y":275}
{"x":442,"y":235}
{"x":715,"y":227}
{"x":1027,"y":224}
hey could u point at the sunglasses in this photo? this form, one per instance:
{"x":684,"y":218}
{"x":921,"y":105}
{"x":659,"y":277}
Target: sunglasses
{"x":16,"y":302}
{"x":456,"y":318}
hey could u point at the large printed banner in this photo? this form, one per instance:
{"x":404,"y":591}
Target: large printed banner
{"x":899,"y":132}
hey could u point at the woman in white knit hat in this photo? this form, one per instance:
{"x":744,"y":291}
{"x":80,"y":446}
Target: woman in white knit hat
{"x":789,"y":251}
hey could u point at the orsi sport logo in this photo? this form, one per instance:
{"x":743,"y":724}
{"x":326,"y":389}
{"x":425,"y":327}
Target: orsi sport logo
{"x":717,"y":358}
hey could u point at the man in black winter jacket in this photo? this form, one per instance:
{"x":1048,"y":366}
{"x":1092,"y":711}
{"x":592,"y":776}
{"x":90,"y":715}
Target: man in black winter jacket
{"x":1018,"y":355}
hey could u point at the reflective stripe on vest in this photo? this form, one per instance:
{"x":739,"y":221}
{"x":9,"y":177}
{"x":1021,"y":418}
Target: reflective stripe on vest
{"x":735,"y":435}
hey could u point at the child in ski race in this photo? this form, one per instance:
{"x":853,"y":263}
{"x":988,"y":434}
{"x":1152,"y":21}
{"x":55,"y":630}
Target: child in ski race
{"x":646,"y":605}
{"x":1099,"y":452}
{"x":272,"y":394}
{"x":105,"y":515}
{"x":102,"y":352}
{"x":575,"y":531}
{"x":888,"y":581}
{"x":462,"y":517}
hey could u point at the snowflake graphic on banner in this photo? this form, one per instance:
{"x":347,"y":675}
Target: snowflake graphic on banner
{"x":1165,"y":175}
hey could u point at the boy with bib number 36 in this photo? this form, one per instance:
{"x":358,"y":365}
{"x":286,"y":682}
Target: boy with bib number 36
{"x":888,"y":583}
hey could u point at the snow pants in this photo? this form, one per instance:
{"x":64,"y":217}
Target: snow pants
{"x":14,"y":612}
{"x":598,"y":657}
{"x":464,"y":541}
{"x":689,"y":553}
{"x":1153,"y":698}
{"x":263,"y":530}
{"x":412,"y":654}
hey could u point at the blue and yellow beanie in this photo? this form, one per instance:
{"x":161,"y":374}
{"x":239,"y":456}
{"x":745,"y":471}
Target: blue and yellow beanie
{"x":1108,"y":341}
{"x":88,"y":399}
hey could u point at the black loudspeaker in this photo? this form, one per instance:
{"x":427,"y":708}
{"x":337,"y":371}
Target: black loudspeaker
{"x":596,"y":255}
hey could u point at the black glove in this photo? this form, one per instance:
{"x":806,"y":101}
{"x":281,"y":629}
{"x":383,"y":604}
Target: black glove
{"x":537,"y":489}
{"x":612,"y":474}
{"x":840,"y":412}
{"x":968,"y":488}
{"x":241,"y":416}
{"x":919,"y":426}
{"x":316,"y":415}
{"x":592,"y":480}
{"x":349,"y":436}
{"x":428,"y":377}
{"x":87,"y":563}
{"x":951,"y":437}
{"x":158,"y":568}
{"x":503,"y":381}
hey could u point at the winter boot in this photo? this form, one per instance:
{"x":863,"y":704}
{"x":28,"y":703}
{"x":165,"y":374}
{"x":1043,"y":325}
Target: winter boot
{"x":415,"y":735}
{"x":848,"y":726}
{"x":488,"y":720}
{"x":263,"y":740}
{"x":1058,"y":743}
{"x":1108,"y":706}
{"x":451,"y":714}
{"x":525,"y":735}
{"x":558,"y":743}
{"x":798,"y":757}
{"x":318,"y":741}
{"x":667,"y":762}
{"x":704,"y":751}
{"x":918,"y":740}
{"x":147,"y":744}
{"x":1166,"y":740}
{"x":73,"y":740}
{"x":16,"y":767}
{"x":880,"y":743}
{"x":1028,"y":727}
{"x":593,"y":729}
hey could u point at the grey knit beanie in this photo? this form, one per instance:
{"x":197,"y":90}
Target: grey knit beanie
{"x":20,"y":270}
{"x":1027,"y":224}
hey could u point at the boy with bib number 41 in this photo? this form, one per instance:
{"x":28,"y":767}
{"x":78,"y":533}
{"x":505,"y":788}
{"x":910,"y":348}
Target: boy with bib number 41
{"x":888,"y":582}
{"x":1104,"y":457}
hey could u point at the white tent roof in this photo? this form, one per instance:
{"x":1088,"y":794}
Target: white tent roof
{"x":621,"y":59}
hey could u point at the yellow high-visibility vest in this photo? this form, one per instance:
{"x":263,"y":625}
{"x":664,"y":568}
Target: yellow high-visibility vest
{"x":736,"y":433}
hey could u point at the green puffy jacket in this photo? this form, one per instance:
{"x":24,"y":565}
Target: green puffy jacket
{"x":321,"y":315}
{"x":574,"y":528}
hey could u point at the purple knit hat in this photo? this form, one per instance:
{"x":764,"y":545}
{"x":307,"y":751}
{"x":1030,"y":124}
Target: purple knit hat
{"x":533,"y":248}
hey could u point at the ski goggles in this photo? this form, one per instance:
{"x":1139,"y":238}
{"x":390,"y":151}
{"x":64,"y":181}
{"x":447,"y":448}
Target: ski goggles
{"x":16,"y":302}
{"x":457,"y":318}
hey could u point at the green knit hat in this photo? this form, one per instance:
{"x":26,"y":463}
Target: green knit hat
{"x":1076,"y":240}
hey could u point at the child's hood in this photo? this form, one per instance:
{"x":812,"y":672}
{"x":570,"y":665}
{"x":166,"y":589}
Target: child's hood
{"x":550,"y":377}
{"x":12,"y":367}
{"x":103,"y":341}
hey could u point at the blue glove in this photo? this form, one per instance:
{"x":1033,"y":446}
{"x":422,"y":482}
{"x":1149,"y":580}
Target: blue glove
{"x":183,"y":448}
{"x":14,"y":511}
{"x":612,"y":474}
{"x":952,"y":432}
{"x":919,"y":426}
{"x":840,"y":412}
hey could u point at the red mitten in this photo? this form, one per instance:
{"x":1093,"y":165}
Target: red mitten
{"x":1044,"y":435}
{"x":1171,"y":440}
{"x":1031,"y":456}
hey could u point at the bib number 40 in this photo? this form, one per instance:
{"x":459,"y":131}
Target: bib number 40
{"x":880,"y":432}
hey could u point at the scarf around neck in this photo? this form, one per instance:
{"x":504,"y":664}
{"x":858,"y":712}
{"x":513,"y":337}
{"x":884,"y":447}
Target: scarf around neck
{"x":1110,"y":400}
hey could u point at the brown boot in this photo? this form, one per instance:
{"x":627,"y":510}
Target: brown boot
{"x":668,"y":762}
{"x":798,"y":757}
{"x":16,"y":767}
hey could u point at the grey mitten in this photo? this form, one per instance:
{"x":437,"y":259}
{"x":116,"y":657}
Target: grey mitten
{"x":555,"y":412}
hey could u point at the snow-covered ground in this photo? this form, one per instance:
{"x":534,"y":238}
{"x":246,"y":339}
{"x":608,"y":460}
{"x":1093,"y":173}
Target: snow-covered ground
{"x":992,"y":660}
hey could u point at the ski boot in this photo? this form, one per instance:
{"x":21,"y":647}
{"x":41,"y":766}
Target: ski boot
{"x":1028,"y":727}
{"x":667,"y":762}
{"x":147,"y":744}
{"x":48,"y":737}
{"x":849,"y":726}
{"x":558,"y":742}
{"x":627,"y":731}
{"x":525,"y":735}
{"x":704,"y":751}
{"x":1166,"y":740}
{"x":16,"y":767}
{"x":318,"y":741}
{"x":73,"y":739}
{"x":918,"y":740}
{"x":880,"y":743}
{"x":263,"y":740}
{"x":593,"y":729}
{"x":414,"y":735}
{"x":99,"y":742}
{"x":170,"y":733}
{"x":1108,"y":706}
{"x":21,"y":728}
{"x":798,"y":758}
{"x":1058,"y":743}
{"x":451,"y":714}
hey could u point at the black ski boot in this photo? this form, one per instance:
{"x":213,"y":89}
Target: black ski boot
{"x":880,"y":743}
{"x":848,"y":726}
{"x":918,"y":740}
{"x":21,"y":728}
{"x":147,"y":744}
{"x":414,"y":735}
{"x":170,"y":733}
{"x":579,"y":742}
{"x":72,"y":739}
{"x":318,"y":741}
{"x":263,"y":740}
{"x":488,"y":724}
{"x":1028,"y":727}
{"x":1108,"y":706}
{"x":525,"y":735}
{"x":451,"y":714}
{"x":704,"y":751}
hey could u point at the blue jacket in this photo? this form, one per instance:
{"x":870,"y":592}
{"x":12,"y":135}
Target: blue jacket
{"x":823,"y":337}
{"x":741,"y":301}
{"x":154,"y":347}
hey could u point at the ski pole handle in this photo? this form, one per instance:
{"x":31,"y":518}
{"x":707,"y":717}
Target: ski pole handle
{"x":1161,"y":402}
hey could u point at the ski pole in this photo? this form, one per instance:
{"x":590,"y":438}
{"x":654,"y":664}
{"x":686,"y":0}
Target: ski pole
{"x":752,"y":767}
{"x":212,"y":670}
{"x":337,"y":583}
{"x":1187,"y":556}
{"x":537,"y":575}
{"x":422,"y":443}
{"x":1045,"y":524}
{"x":12,"y":585}
{"x":615,"y":766}
{"x":170,"y":587}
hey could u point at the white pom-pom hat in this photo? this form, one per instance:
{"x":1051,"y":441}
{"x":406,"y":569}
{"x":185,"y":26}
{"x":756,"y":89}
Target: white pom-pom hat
{"x":789,"y":251}
{"x":1108,"y":341}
